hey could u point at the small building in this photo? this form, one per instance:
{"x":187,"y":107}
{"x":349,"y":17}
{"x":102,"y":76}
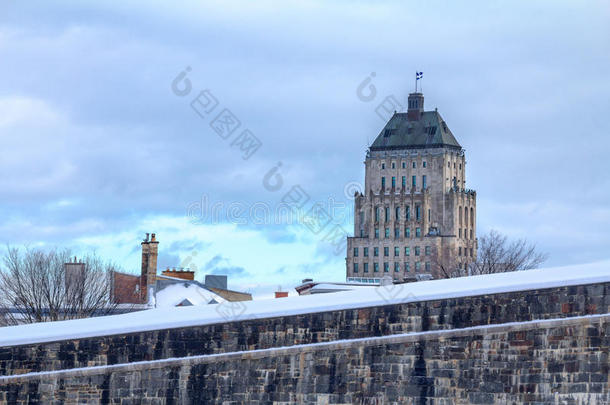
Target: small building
{"x":308,"y":286}
{"x":174,"y":287}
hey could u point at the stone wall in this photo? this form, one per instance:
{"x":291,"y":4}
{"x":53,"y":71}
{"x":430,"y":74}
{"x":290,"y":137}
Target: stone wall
{"x":244,"y":335}
{"x":556,"y":361}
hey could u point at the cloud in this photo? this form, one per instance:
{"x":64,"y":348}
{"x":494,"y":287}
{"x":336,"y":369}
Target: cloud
{"x":220,"y":265}
{"x":96,"y":149}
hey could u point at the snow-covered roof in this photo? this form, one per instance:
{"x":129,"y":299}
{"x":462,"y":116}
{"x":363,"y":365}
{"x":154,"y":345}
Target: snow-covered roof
{"x":163,"y":318}
{"x":176,"y":294}
{"x":327,"y":287}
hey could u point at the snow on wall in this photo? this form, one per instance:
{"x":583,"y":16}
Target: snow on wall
{"x":164,"y":318}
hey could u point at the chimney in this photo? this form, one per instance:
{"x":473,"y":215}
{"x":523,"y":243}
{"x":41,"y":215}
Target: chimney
{"x":281,"y":294}
{"x":74,"y":273}
{"x":149,"y":265}
{"x":216,"y":281}
{"x":181,"y":273}
{"x":415,"y":106}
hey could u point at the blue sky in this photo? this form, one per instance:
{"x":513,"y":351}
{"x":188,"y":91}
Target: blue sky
{"x":97,"y":149}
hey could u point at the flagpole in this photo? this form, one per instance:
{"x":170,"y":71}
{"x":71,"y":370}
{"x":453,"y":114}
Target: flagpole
{"x":416,"y":82}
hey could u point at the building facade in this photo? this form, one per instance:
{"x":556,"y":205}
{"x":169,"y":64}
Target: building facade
{"x":415,"y":214}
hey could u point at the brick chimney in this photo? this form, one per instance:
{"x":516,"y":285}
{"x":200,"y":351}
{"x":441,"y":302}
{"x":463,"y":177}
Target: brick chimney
{"x":150,"y":250}
{"x":281,"y":294}
{"x":180,"y":273}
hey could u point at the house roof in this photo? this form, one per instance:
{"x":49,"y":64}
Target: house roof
{"x":231,"y":295}
{"x":429,"y":131}
{"x":185,"y":293}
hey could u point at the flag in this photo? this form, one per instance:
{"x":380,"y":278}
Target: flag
{"x":419,"y":75}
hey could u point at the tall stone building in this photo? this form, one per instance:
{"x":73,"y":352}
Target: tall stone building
{"x":415,"y":214}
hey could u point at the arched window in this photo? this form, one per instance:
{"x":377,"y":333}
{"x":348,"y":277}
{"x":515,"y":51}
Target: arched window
{"x":460,"y":211}
{"x":471,"y":217}
{"x":466,"y":216}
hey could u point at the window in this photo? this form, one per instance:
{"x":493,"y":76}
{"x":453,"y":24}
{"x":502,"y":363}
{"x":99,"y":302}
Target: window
{"x":355,"y":267}
{"x":386,"y":267}
{"x":417,"y":250}
{"x":428,"y":250}
{"x":404,"y":165}
{"x":361,"y":217}
{"x":396,"y":267}
{"x":387,"y":214}
{"x":429,"y":215}
{"x":407,"y":232}
{"x":376,"y":214}
{"x":397,"y":212}
{"x":460,"y":251}
{"x":427,"y":266}
{"x":366,"y":267}
{"x":424,"y":164}
{"x":355,"y":252}
{"x":386,"y":251}
{"x":361,"y":233}
{"x":375,"y":251}
{"x":366,"y":252}
{"x":471,"y":219}
{"x":407,"y":251}
{"x":396,"y":233}
{"x":376,"y":233}
{"x":376,"y":267}
{"x":396,"y":251}
{"x":460,"y":232}
{"x":460,"y":166}
{"x":413,"y":181}
{"x":417,"y":267}
{"x":471,"y":253}
{"x":382,"y":166}
{"x":417,"y":212}
{"x":393,"y":165}
{"x":418,"y":232}
{"x":414,"y":165}
{"x":449,"y":165}
{"x":404,"y":181}
{"x":387,"y":232}
{"x":408,"y":212}
{"x":393,"y":182}
{"x":423,"y":181}
{"x":471,"y":234}
{"x":407,"y":267}
{"x":383,"y":182}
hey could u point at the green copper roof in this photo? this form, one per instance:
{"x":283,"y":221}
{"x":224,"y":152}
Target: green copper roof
{"x":430,"y":131}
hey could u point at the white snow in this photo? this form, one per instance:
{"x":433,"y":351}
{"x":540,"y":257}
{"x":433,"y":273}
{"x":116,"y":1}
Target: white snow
{"x":162,"y":318}
{"x":341,"y":287}
{"x":174,"y":294}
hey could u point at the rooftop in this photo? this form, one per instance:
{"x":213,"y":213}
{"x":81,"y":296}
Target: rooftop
{"x":429,"y":131}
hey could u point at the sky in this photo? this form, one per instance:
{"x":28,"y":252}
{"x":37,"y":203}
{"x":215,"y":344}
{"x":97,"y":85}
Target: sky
{"x":220,"y":126}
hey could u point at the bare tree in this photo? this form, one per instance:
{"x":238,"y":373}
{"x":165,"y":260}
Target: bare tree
{"x":35,"y":286}
{"x":496,"y":254}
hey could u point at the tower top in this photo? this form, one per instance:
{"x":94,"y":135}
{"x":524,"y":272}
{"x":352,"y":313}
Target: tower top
{"x":415,"y":106}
